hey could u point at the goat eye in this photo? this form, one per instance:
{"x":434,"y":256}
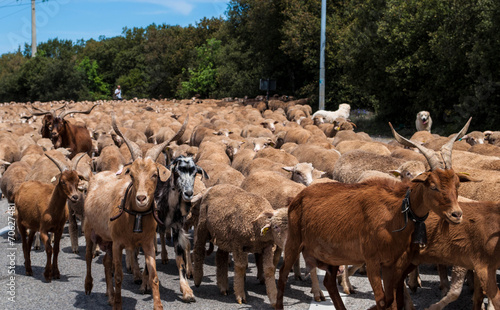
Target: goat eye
{"x":154,"y":176}
{"x":434,"y":187}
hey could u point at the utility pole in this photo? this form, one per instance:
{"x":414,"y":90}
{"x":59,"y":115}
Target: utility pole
{"x":322,"y":57}
{"x":33,"y":29}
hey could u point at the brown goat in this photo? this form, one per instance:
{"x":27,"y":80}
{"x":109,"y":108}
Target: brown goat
{"x":474,"y":244}
{"x":106,"y":223}
{"x":63,"y":133}
{"x":319,"y":223}
{"x":42,"y":207}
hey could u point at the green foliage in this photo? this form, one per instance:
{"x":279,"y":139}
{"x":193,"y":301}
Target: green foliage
{"x":203,"y":79}
{"x":97,"y":89}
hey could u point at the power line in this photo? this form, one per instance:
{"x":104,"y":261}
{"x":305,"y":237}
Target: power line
{"x":18,"y":4}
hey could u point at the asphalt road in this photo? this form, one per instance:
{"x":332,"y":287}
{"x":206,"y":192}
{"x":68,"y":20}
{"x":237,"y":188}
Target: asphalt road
{"x":68,"y":292}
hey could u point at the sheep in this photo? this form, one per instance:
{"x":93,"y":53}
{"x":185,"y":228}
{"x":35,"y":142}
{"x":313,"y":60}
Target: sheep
{"x":212,"y":151}
{"x":474,"y":137}
{"x":321,"y":158}
{"x":329,"y":116}
{"x":238,"y":222}
{"x":13,"y":178}
{"x":351,"y":164}
{"x":485,"y":149}
{"x":374,"y":213}
{"x":110,"y":159}
{"x":372,"y":147}
{"x":220,"y":173}
{"x":42,"y":207}
{"x":423,"y":121}
{"x":173,"y":199}
{"x":108,"y":225}
{"x":493,"y":137}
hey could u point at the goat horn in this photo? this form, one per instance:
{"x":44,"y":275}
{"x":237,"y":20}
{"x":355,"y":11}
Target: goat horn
{"x":448,"y":147}
{"x":62,"y":166}
{"x":38,"y":114}
{"x":155,"y":151}
{"x":430,"y":155}
{"x":78,"y":157}
{"x":135,"y":151}
{"x":64,"y":113}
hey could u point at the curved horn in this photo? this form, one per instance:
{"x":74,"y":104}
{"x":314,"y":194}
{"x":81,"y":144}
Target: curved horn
{"x":155,"y":151}
{"x":431,"y":156}
{"x":51,"y":110}
{"x":135,"y":151}
{"x":448,"y":147}
{"x":64,"y":113}
{"x":62,"y":166}
{"x":78,"y":157}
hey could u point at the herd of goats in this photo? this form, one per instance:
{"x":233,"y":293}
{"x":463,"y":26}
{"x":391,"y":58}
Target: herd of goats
{"x":253,"y":176}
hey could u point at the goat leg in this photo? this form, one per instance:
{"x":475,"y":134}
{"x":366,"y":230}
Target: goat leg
{"x":118,"y":271}
{"x":457,"y":282}
{"x":444,"y":283}
{"x":26,"y":248}
{"x":315,"y":288}
{"x":55,"y":267}
{"x":89,"y":282}
{"x":164,"y":254}
{"x":292,"y":251}
{"x":154,"y":282}
{"x":48,"y":249}
{"x":373,"y":272}
{"x":189,"y":261}
{"x":414,"y":280}
{"x":73,"y":232}
{"x":331,"y":285}
{"x":108,"y":274}
{"x":487,"y":278}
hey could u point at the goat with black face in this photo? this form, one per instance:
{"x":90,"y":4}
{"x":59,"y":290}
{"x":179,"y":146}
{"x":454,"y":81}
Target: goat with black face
{"x":174,"y":198}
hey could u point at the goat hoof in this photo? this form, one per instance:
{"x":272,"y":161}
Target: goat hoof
{"x":56,"y":275}
{"x":29,"y":272}
{"x":88,"y":288}
{"x":76,"y":251}
{"x":36,"y":248}
{"x":189,"y":299}
{"x":299,"y":278}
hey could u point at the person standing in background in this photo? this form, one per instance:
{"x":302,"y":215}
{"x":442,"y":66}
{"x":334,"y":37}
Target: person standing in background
{"x":118,"y":93}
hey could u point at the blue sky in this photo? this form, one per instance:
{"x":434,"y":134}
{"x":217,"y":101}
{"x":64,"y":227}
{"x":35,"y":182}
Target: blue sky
{"x":85,"y":19}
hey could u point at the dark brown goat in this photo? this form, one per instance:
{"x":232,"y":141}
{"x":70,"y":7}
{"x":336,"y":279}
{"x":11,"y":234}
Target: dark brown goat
{"x":42,"y":207}
{"x":335,"y":224}
{"x":64,"y":134}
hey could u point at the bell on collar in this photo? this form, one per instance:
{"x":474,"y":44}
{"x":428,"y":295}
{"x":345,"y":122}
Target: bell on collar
{"x":138,"y":223}
{"x":419,"y":235}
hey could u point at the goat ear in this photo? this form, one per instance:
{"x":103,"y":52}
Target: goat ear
{"x":465,"y":177}
{"x":289,"y":169}
{"x":202,"y":172}
{"x":265,"y":229}
{"x":163,"y":173}
{"x":395,"y":173}
{"x":82,"y":177}
{"x":421,"y":177}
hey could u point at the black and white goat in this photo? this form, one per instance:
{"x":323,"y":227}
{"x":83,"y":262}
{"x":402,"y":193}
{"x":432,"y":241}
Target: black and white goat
{"x":173,"y":199}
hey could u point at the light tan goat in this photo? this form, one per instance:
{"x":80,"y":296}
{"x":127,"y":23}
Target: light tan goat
{"x":42,"y":207}
{"x":107,"y":224}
